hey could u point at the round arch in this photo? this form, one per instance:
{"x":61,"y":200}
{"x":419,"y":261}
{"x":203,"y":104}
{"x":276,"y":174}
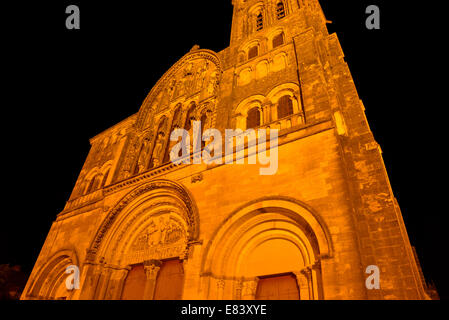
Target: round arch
{"x":265,"y":237}
{"x":50,"y":278}
{"x":241,"y":112}
{"x":159,"y":199}
{"x":157,"y":91}
{"x":286,"y":89}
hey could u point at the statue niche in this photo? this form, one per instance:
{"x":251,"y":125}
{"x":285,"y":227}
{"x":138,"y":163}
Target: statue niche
{"x":157,"y":154}
{"x":157,"y":151}
{"x":143,"y":160}
{"x":212,"y":84}
{"x":201,"y":76}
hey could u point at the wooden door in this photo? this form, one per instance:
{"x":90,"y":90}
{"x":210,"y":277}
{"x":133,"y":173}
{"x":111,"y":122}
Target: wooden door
{"x":170,"y":281}
{"x":284,"y":287}
{"x":134,"y":286}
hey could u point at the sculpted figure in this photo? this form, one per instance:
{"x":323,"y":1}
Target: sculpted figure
{"x":143,"y":159}
{"x":213,"y":82}
{"x":152,"y":234}
{"x":201,"y":77}
{"x":157,"y":151}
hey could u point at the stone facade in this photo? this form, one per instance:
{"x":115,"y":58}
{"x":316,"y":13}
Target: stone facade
{"x":324,"y":217}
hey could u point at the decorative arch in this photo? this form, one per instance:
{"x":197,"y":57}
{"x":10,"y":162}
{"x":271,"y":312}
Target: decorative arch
{"x":151,"y":227}
{"x":245,"y":106}
{"x":280,"y":9}
{"x":134,"y":212}
{"x":49,"y":281}
{"x":280,"y":62}
{"x":96,"y":178}
{"x":262,"y":69}
{"x":287,"y":89}
{"x":272,"y":38}
{"x":211,"y":74}
{"x":257,"y":230}
{"x":257,"y":16}
{"x":245,"y":76}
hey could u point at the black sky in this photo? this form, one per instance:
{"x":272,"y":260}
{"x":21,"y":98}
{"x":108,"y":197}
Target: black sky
{"x":63,"y":87}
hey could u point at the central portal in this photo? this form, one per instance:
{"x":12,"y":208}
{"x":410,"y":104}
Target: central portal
{"x":155,"y":280}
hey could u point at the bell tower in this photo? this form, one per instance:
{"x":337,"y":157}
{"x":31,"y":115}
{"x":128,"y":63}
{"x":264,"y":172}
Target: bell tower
{"x":252,"y":18}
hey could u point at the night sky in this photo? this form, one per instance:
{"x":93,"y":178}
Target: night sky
{"x":63,"y":87}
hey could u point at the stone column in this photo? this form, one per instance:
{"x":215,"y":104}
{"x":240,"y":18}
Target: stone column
{"x":103,"y":283}
{"x":317,"y":281}
{"x":266,"y":111}
{"x":91,"y":274}
{"x":249,"y":289}
{"x":220,"y":289}
{"x":152,"y":268}
{"x":302,"y":279}
{"x":238,"y":290}
{"x":273,"y":112}
{"x":307,"y":279}
{"x":116,"y":283}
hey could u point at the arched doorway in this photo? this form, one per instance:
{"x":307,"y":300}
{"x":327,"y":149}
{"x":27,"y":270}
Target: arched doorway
{"x":268,"y":249}
{"x":142,"y":245}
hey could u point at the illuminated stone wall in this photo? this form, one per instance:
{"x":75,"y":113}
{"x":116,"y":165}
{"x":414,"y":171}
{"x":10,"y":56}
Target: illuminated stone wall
{"x":324,"y":217}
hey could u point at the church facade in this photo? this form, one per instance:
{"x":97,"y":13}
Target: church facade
{"x":138,"y":226}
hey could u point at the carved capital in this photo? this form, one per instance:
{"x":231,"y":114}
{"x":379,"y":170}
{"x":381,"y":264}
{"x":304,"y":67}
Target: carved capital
{"x":152,"y":268}
{"x":267,"y":104}
{"x":317,"y":265}
{"x":220,"y":284}
{"x":306,"y":271}
{"x":249,"y":289}
{"x":197,"y":178}
{"x":90,"y":255}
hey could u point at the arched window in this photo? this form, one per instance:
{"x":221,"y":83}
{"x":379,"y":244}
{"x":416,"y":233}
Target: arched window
{"x":176,"y":122}
{"x":253,"y":52}
{"x":103,"y":183}
{"x":93,"y":185}
{"x":253,"y":119}
{"x":280,"y":10}
{"x":241,"y":57}
{"x":278,"y":40}
{"x":259,"y":22}
{"x":285,"y":107}
{"x":203,"y":127}
{"x":190,"y":117}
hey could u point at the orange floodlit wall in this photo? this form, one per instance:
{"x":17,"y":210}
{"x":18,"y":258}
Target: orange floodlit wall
{"x":141,"y":226}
